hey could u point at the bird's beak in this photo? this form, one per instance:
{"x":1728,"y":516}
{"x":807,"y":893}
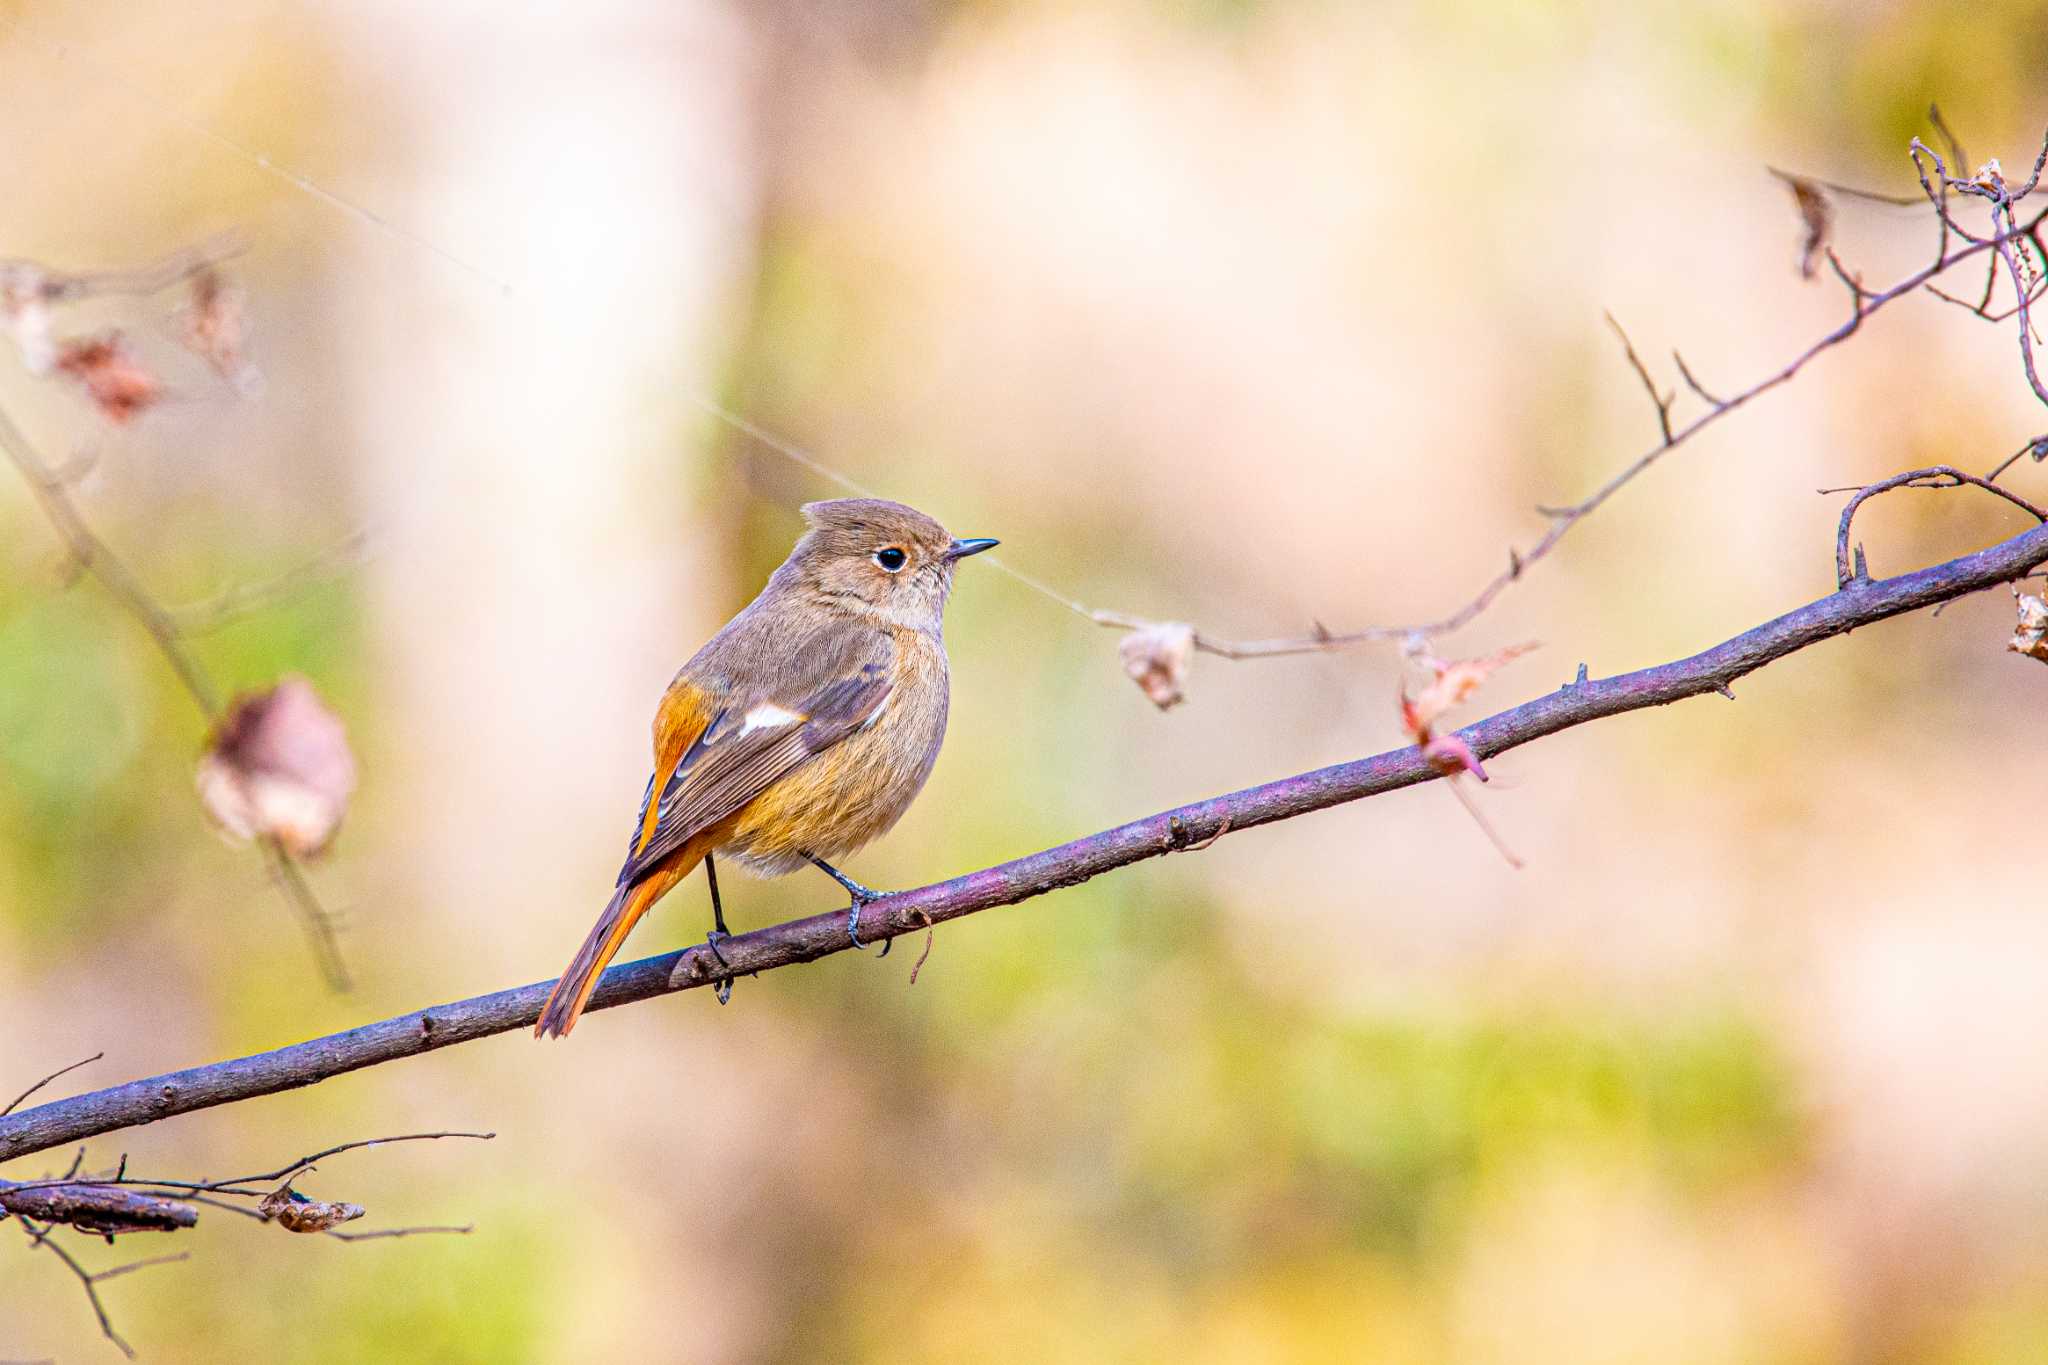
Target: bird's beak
{"x":960,"y":549}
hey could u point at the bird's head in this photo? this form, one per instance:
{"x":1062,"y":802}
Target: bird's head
{"x":873,"y":556}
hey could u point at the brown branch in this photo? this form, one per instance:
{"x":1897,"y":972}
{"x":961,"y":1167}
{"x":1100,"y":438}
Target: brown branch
{"x":95,"y":1208}
{"x":1863,"y":603}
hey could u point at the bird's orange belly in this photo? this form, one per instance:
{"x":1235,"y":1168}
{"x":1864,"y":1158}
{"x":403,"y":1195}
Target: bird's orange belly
{"x":843,"y":799}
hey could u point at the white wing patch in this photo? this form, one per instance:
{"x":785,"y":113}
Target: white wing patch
{"x":768,"y":716}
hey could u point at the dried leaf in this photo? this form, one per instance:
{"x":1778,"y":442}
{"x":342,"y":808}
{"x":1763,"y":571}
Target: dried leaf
{"x":113,"y":378}
{"x":1454,"y":682}
{"x":294,"y":1212}
{"x":279,"y":764}
{"x":1157,"y":657}
{"x":215,"y":327}
{"x":1818,"y":216}
{"x":2030,"y":637}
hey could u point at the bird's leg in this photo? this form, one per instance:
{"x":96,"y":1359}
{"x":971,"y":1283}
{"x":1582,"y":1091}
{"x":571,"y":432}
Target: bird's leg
{"x":723,"y":990}
{"x":862,"y":895}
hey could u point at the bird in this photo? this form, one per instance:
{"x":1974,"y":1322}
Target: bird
{"x":799,"y":733}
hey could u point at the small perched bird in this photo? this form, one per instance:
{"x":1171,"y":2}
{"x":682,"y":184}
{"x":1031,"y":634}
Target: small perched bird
{"x":801,"y":732}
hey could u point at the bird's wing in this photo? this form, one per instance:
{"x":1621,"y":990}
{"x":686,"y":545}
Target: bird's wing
{"x":755,"y":738}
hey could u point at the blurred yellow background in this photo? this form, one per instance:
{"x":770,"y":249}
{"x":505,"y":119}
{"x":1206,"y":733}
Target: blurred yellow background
{"x":1242,"y":313}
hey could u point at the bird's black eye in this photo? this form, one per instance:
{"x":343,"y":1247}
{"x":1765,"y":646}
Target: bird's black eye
{"x":890,"y":558}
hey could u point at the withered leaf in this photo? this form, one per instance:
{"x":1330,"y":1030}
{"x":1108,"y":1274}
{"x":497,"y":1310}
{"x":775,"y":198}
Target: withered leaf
{"x":1156,"y":657}
{"x":1454,"y":683}
{"x":1817,"y":215}
{"x":118,"y":383}
{"x":279,"y":764}
{"x":214,"y":326}
{"x":294,"y":1212}
{"x":2030,"y":636}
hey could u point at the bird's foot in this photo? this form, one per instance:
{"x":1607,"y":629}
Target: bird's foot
{"x":862,"y":898}
{"x":723,"y":988}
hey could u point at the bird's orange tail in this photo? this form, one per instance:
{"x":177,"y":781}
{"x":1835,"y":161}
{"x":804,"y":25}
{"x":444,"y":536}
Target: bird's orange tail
{"x":566,"y":1002}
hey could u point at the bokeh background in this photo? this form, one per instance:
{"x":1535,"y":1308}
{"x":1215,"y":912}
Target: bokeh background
{"x":1250,"y":314}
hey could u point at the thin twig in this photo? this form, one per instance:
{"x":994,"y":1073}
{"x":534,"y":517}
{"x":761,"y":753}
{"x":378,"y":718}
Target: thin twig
{"x":101,"y":1276}
{"x":1937,"y":193}
{"x":60,"y":1071}
{"x":41,"y":1237}
{"x":1662,"y":402}
{"x":1485,"y":825}
{"x":2037,"y":447}
{"x":1947,"y":135}
{"x":1992,"y":187}
{"x":1691,"y":382}
{"x":315,"y":917}
{"x":290,"y":1169}
{"x":463,"y":1229}
{"x":2021,"y":288}
{"x":1982,"y":308}
{"x":1917,"y":478}
{"x":339,"y":1236}
{"x":236,"y":1185}
{"x":1904,"y":201}
{"x":1864,"y":303}
{"x":92,"y":555}
{"x":176,"y":268}
{"x":237,"y":601}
